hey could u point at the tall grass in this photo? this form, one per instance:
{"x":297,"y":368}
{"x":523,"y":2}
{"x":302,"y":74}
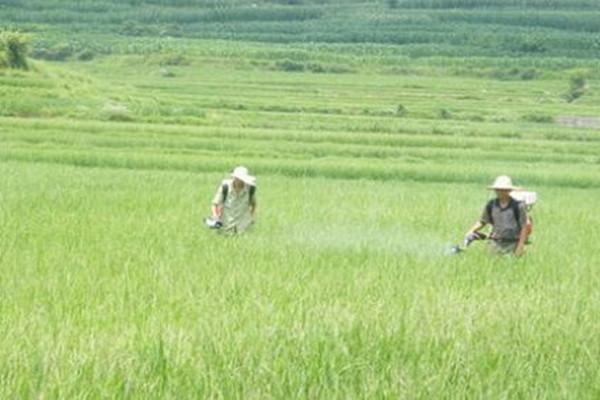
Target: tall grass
{"x":111,"y":287}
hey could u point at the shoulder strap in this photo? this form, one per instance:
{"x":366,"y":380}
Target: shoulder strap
{"x":488,"y":210}
{"x":225,"y":191}
{"x":516,"y":212}
{"x":252,"y":191}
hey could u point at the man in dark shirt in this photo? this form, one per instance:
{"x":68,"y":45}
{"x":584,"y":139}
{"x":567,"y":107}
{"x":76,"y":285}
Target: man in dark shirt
{"x":508,"y":218}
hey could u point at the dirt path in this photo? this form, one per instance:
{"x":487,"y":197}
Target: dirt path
{"x":579,"y":122}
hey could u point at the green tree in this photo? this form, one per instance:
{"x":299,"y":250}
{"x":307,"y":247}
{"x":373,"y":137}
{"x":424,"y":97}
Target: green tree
{"x":14,"y":47}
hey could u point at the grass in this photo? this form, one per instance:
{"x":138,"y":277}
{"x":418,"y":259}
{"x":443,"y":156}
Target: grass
{"x":112,"y":288}
{"x":127,"y":296}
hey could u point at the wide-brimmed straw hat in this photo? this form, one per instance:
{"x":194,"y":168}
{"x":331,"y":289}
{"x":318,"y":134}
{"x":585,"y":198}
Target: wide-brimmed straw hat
{"x":243,"y":175}
{"x":503,"y":182}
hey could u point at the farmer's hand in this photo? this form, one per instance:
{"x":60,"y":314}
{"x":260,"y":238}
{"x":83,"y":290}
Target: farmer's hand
{"x":470,"y":237}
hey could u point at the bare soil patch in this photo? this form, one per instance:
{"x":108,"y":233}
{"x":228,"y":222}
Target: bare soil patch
{"x":579,"y":122}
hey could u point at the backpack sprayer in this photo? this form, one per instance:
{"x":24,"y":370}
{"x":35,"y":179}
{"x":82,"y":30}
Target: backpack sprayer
{"x":521,"y":196}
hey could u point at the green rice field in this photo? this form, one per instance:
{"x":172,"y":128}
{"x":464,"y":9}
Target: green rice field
{"x":371,"y":160}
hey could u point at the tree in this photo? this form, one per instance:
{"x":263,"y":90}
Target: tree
{"x":14,"y":47}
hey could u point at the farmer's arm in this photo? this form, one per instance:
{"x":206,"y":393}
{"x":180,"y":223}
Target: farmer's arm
{"x":524,"y":230}
{"x":476,"y":228}
{"x":253,"y":207}
{"x":521,"y":244}
{"x":217,"y":211}
{"x":217,"y":204}
{"x":483,"y":221}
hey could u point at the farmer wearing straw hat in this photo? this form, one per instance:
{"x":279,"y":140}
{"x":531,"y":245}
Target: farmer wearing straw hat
{"x":234,"y":204}
{"x":508,"y":218}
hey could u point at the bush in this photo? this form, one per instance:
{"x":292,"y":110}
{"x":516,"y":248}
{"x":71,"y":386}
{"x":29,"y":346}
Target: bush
{"x":578,"y":87}
{"x":401,"y":111}
{"x":14,"y":47}
{"x":444,"y":113}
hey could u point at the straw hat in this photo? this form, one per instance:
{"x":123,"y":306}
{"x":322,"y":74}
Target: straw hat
{"x":503,"y":182}
{"x":242,"y":174}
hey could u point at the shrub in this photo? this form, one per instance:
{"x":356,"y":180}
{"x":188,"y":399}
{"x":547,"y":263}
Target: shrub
{"x":401,"y":111}
{"x":444,"y":113}
{"x":14,"y":47}
{"x":578,"y":87}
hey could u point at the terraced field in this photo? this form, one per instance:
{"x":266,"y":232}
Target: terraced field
{"x":205,"y":119}
{"x":112,"y":288}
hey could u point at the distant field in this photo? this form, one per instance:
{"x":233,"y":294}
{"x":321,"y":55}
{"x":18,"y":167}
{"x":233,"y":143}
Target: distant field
{"x":557,"y":30}
{"x":372,"y":159}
